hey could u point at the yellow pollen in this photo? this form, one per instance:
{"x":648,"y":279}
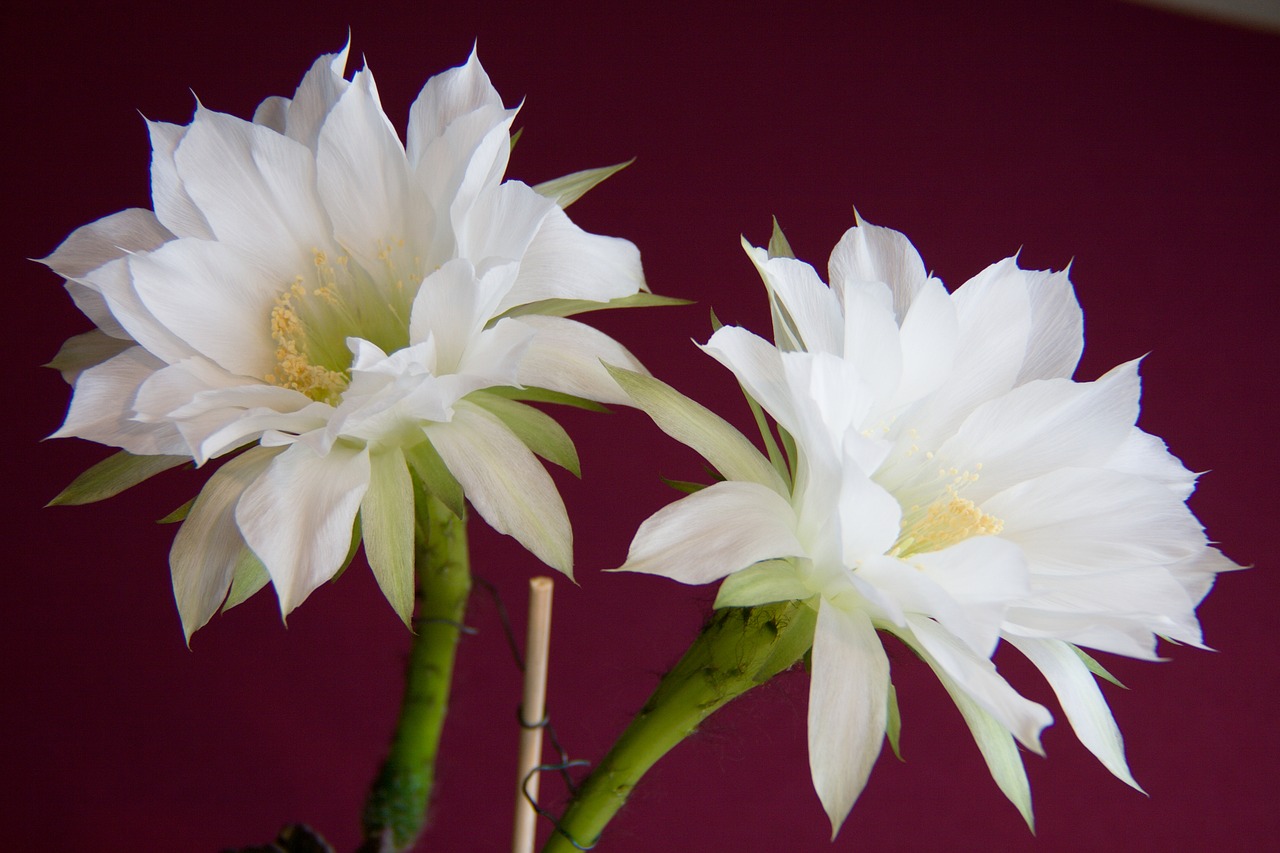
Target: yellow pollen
{"x":294,"y":368}
{"x":945,"y":522}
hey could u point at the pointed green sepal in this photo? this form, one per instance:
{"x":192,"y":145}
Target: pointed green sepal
{"x":565,"y":191}
{"x":178,"y":514}
{"x":893,"y":726}
{"x":544,"y":395}
{"x":570,"y":307}
{"x":1095,"y":667}
{"x":356,"y":535}
{"x":249,"y":576}
{"x":683,"y":485}
{"x":515,"y":137}
{"x":112,"y":476}
{"x":436,"y":477}
{"x":539,"y":431}
{"x":693,"y":424}
{"x":387,"y":515}
{"x":778,"y":245}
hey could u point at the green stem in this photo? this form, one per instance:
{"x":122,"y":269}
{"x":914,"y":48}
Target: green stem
{"x":395,"y":811}
{"x":739,"y":649}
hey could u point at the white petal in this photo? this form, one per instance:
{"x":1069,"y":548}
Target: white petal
{"x":870,"y":253}
{"x":315,"y":97}
{"x":213,"y":299}
{"x":387,"y":519}
{"x":297,"y":516}
{"x":453,"y":304}
{"x":710,"y":533}
{"x":505,"y":483}
{"x":928,"y":340}
{"x":113,"y":285}
{"x":256,"y":189}
{"x":809,"y":309}
{"x":272,"y":113}
{"x":565,"y":262}
{"x":208,"y":545}
{"x":1057,"y":328}
{"x":848,"y":708}
{"x":501,"y":225}
{"x":102,"y":407}
{"x":1043,"y":426}
{"x":363,"y":178}
{"x":80,"y":352}
{"x":1081,"y":700}
{"x":565,"y":355}
{"x":90,"y":246}
{"x":1147,"y":456}
{"x":978,"y":678}
{"x":758,"y":366}
{"x":445,"y":98}
{"x":169,"y":196}
{"x":983,"y":576}
{"x":869,"y":516}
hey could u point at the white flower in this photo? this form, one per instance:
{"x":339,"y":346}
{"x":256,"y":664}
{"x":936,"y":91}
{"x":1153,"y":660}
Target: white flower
{"x":337,"y":302}
{"x":952,"y":486}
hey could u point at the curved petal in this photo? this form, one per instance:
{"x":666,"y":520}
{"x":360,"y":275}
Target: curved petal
{"x":90,"y":246}
{"x":723,"y":528}
{"x":1057,"y":328}
{"x":758,"y":366}
{"x":1081,"y":700}
{"x":870,"y":253}
{"x":297,"y":516}
{"x":565,"y":262}
{"x":102,"y":408}
{"x":319,"y":90}
{"x":805,"y":310}
{"x":169,"y":196}
{"x":568,"y":356}
{"x":848,"y":708}
{"x":505,"y":483}
{"x":445,"y":98}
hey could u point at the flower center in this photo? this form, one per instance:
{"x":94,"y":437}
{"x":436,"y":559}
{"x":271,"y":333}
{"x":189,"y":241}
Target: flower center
{"x":312,"y":319}
{"x":946,"y":521}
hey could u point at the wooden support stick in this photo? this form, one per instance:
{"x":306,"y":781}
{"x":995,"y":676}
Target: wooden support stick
{"x":532,"y":710}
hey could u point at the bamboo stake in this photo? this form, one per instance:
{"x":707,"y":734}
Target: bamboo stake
{"x":532,"y":710}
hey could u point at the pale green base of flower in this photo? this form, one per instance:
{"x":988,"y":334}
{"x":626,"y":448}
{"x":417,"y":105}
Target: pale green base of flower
{"x":396,"y":809}
{"x":739,"y":649}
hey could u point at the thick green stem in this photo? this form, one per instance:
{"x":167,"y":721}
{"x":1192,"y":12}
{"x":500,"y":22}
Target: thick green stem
{"x":396,"y":809}
{"x":739,"y":649}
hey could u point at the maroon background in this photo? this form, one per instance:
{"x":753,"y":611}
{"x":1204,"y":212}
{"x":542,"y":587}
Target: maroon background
{"x":1137,"y":145}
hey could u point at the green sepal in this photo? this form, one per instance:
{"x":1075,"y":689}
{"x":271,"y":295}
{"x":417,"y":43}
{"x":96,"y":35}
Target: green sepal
{"x":436,"y":477}
{"x":112,"y":476}
{"x":695,"y":425}
{"x":569,"y":307}
{"x":1095,"y":667}
{"x":356,"y":533}
{"x":515,"y":137}
{"x":387,"y":513}
{"x":683,"y":485}
{"x":893,"y":726}
{"x":539,"y":431}
{"x":178,"y":514}
{"x":545,"y":395}
{"x":778,"y":245}
{"x":248,"y":576}
{"x":568,"y":189}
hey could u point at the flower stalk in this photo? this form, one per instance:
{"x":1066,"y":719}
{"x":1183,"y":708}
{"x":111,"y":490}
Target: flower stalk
{"x":740,"y":648}
{"x":395,"y":811}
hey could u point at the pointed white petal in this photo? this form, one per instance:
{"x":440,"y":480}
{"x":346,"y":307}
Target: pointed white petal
{"x":169,"y":196}
{"x":363,"y":178}
{"x":807,"y":306}
{"x":102,"y":408}
{"x":1044,"y":426}
{"x":505,"y":483}
{"x":928,"y":339}
{"x":710,"y":533}
{"x":1081,"y":700}
{"x":758,"y":366}
{"x":386,"y":516}
{"x":499,"y":227}
{"x":90,"y":246}
{"x":565,"y":262}
{"x":316,"y":95}
{"x":272,"y":113}
{"x":447,"y":97}
{"x":1147,"y":456}
{"x":978,"y":678}
{"x":568,"y":356}
{"x":869,"y":253}
{"x":208,"y":545}
{"x":126,"y":315}
{"x":848,"y":708}
{"x":297,"y":516}
{"x":256,"y":189}
{"x":1057,"y":328}
{"x":80,"y":352}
